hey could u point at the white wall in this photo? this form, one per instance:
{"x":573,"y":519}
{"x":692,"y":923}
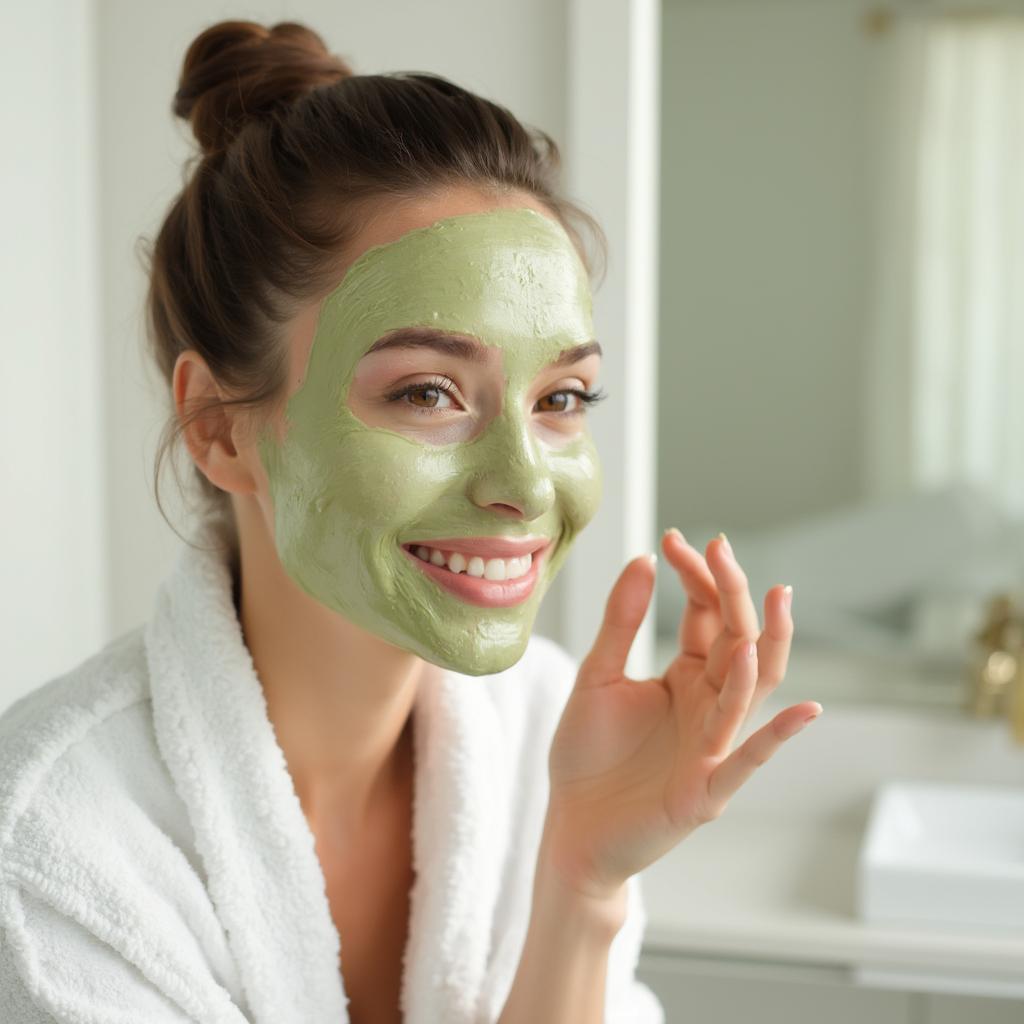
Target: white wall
{"x":765,"y":238}
{"x":511,"y":53}
{"x":53,"y":597}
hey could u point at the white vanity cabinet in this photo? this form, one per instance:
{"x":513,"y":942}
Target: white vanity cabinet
{"x":722,"y":991}
{"x":718,"y":991}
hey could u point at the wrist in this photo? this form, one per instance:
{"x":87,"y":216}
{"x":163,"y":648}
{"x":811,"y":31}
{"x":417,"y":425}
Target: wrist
{"x":561,"y":895}
{"x":596,"y":917}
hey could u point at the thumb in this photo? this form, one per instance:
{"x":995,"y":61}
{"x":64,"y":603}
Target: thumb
{"x":624,"y":611}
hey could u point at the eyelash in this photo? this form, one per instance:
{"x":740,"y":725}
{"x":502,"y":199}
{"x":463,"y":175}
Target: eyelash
{"x":446,"y":385}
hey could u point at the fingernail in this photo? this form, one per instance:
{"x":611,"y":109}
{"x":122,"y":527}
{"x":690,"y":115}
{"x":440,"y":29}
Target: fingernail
{"x":811,"y":718}
{"x":788,"y":593}
{"x":676,"y":531}
{"x":726,"y":544}
{"x":652,"y":558}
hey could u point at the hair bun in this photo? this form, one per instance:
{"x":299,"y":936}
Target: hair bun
{"x":238,"y":71}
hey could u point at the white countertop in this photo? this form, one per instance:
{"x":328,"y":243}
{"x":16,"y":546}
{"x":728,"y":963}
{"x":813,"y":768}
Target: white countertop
{"x":774,"y":878}
{"x":756,"y":888}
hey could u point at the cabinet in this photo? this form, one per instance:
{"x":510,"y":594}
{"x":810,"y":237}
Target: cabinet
{"x":717,"y":991}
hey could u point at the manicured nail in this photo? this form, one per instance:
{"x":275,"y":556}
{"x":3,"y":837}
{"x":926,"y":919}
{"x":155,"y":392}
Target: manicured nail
{"x":788,"y":596}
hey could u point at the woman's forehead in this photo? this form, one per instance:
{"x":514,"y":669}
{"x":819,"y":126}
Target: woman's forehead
{"x":502,"y":273}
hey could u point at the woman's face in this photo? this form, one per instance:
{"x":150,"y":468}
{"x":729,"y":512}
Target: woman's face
{"x":436,"y":420}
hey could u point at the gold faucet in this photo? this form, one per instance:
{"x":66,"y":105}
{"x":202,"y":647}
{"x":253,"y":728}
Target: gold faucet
{"x":997,"y":669}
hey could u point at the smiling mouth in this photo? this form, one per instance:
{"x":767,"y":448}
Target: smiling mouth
{"x":489,"y":582}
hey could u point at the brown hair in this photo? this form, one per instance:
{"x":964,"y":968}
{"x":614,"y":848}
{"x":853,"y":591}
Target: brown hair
{"x":293,"y":144}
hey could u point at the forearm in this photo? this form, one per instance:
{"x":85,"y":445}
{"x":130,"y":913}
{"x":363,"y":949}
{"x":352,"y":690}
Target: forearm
{"x":562,"y":971}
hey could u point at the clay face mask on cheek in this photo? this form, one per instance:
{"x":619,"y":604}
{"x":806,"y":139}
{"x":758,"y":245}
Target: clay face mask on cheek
{"x":347,"y":496}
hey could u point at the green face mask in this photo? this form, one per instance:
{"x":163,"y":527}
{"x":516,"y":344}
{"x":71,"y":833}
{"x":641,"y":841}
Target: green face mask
{"x":347,"y":495}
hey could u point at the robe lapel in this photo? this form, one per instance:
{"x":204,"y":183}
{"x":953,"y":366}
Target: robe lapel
{"x":256,"y":846}
{"x":255,"y":843}
{"x":461,"y":812}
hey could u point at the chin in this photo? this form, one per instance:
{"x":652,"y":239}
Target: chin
{"x":480,"y":661}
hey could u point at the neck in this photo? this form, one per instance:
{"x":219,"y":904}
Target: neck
{"x":339,"y":698}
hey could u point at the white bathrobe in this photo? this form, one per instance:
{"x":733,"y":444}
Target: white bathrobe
{"x":157,"y":866}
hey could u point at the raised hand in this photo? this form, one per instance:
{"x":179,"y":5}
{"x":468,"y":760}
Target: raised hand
{"x":636,"y":765}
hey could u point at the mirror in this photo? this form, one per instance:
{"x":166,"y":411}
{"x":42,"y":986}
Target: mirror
{"x":841,"y":324}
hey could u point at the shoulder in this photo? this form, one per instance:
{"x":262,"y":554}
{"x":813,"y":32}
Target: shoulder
{"x":77,"y":756}
{"x":97,"y":859}
{"x":63,"y":718}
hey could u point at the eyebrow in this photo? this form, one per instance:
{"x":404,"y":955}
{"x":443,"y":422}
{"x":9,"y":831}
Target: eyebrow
{"x":466,"y":348}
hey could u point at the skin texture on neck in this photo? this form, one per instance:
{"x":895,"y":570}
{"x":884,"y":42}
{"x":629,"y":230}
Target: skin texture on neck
{"x":346,"y":495}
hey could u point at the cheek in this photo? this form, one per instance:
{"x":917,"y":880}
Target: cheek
{"x":378,"y":479}
{"x":578,"y":479}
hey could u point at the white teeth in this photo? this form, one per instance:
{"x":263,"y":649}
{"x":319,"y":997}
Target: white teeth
{"x":492,"y":569}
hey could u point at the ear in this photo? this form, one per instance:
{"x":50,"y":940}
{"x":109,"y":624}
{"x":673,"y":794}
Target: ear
{"x":212,"y":438}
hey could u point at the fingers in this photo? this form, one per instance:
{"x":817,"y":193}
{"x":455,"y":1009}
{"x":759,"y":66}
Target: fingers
{"x":774,"y":644}
{"x":739,"y":617}
{"x":701,"y":621}
{"x":624,"y":611}
{"x":728,"y":712}
{"x":731,"y":773}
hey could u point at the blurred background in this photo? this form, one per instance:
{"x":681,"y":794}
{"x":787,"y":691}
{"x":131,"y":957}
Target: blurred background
{"x":813,"y":320}
{"x":841,"y":327}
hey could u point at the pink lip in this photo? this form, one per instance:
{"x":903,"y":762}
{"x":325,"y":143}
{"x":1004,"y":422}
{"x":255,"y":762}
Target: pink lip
{"x":477,"y":590}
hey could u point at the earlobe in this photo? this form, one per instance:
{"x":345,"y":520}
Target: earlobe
{"x":210,"y":435}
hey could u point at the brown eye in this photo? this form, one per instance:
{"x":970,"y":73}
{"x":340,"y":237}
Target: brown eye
{"x":561,"y":398}
{"x":427,"y":396}
{"x":558,"y":401}
{"x":430,"y":403}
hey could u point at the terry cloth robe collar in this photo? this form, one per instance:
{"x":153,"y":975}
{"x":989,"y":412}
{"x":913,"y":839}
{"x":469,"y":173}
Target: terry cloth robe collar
{"x":259,"y":853}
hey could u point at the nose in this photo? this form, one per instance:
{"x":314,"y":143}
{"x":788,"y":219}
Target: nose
{"x":511,"y":475}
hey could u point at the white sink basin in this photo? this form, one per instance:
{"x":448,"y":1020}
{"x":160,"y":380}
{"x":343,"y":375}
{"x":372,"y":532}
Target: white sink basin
{"x":944,"y":853}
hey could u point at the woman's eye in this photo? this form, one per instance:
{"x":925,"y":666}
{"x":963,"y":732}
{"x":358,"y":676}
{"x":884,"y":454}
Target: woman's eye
{"x":563,"y":401}
{"x":426,"y":396}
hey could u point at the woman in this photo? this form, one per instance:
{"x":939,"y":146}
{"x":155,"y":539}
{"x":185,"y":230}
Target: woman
{"x":334,"y":777}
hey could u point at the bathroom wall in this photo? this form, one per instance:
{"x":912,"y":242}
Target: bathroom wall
{"x":54,"y":600}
